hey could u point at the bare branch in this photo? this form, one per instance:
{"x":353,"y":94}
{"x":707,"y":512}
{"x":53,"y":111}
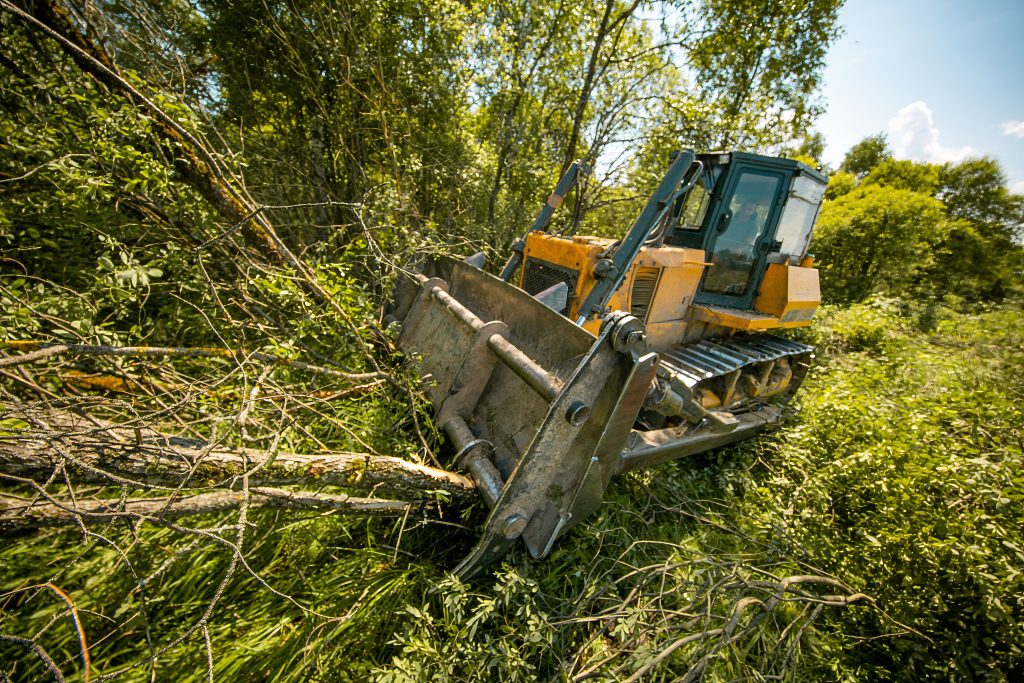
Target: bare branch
{"x":43,"y":350}
{"x":19,"y":514}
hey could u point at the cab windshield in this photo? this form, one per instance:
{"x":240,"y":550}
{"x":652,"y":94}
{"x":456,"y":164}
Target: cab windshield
{"x":733,"y":253}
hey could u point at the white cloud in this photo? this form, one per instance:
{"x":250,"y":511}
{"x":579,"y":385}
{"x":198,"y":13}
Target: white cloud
{"x":913,"y":135}
{"x":1017,"y":187}
{"x":1014,"y":128}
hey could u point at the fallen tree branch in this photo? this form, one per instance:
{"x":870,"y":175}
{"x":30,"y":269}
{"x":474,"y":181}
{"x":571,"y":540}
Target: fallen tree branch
{"x":42,"y":350}
{"x":38,"y":651}
{"x":96,"y":452}
{"x":126,"y":384}
{"x":19,"y":514}
{"x":195,"y":164}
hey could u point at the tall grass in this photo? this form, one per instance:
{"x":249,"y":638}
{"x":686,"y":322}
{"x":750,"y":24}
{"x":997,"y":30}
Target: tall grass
{"x":898,"y":475}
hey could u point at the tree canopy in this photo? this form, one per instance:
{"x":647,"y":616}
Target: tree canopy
{"x":917,"y":229}
{"x":866,"y":154}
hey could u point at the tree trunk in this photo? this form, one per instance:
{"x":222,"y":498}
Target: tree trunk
{"x":95,"y":452}
{"x":608,"y":25}
{"x":21,"y":514}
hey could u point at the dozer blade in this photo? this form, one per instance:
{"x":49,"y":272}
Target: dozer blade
{"x":537,"y":408}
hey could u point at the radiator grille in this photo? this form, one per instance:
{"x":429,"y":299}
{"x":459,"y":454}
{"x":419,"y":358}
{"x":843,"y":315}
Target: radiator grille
{"x":539,"y":275}
{"x":645,"y":282}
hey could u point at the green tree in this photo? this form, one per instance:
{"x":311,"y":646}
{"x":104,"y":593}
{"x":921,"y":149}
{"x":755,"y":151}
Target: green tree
{"x":84,"y":175}
{"x":973,"y":251}
{"x":749,"y":81}
{"x":337,"y":99}
{"x":758,"y":66}
{"x":976,"y":190}
{"x":809,"y":150}
{"x":983,"y":257}
{"x":876,"y":238}
{"x":905,"y":175}
{"x":546,"y":98}
{"x":839,"y":183}
{"x":866,"y":154}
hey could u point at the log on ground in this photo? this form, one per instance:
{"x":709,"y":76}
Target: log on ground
{"x":97,"y":452}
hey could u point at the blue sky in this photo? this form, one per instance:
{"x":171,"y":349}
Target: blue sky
{"x":942,"y":79}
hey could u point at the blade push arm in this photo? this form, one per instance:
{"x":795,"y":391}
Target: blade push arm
{"x":565,"y":184}
{"x":610,"y":271}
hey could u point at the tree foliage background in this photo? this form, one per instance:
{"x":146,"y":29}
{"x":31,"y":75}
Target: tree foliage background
{"x":246,"y":177}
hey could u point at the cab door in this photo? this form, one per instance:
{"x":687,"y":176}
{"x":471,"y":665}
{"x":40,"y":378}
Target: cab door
{"x":741,"y":235}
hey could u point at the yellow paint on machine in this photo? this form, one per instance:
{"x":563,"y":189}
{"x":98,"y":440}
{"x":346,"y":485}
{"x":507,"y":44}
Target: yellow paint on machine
{"x":733,"y":318}
{"x":577,"y":253}
{"x":679,"y":270}
{"x":789,"y":293}
{"x":788,"y":297}
{"x":661,"y":283}
{"x":658,"y":287}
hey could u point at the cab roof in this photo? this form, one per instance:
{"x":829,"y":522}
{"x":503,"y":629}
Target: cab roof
{"x":792,"y":165}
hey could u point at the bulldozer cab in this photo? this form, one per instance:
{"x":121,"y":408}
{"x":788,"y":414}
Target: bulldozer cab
{"x":745,"y":211}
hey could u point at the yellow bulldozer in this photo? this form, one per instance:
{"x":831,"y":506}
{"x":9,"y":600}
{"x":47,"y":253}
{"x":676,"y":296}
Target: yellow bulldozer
{"x":588,"y":357}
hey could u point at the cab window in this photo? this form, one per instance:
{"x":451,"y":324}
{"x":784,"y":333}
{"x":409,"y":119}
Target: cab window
{"x":696,"y":206}
{"x":794,"y":231}
{"x":733,"y":253}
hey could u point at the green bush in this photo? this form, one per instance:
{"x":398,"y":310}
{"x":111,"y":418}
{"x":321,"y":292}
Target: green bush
{"x":874,"y":325}
{"x":903,"y":476}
